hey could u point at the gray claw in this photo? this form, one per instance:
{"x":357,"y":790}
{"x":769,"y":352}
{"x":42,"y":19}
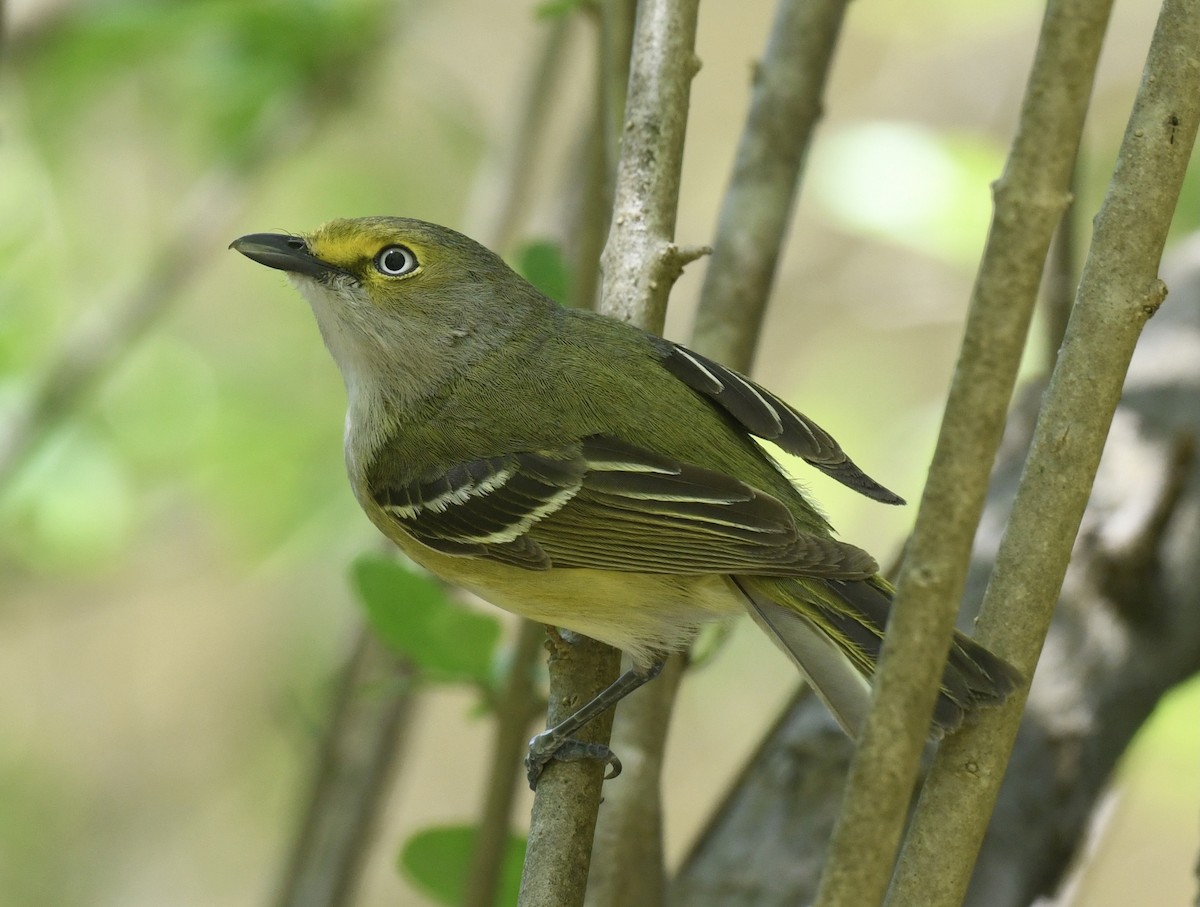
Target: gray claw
{"x":544,"y":747}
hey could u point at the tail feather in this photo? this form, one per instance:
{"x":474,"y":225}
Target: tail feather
{"x":833,"y":630}
{"x":840,"y":684}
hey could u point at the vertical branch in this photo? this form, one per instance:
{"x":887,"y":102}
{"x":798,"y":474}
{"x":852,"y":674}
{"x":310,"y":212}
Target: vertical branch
{"x":785,"y":103}
{"x":590,"y":186}
{"x":587,"y":206}
{"x":617,"y":19}
{"x":757,"y":208}
{"x":1119,"y":290}
{"x":1029,"y":200}
{"x":562,"y":824}
{"x":640,"y":262}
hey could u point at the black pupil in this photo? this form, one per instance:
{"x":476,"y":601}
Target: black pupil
{"x":393,"y":261}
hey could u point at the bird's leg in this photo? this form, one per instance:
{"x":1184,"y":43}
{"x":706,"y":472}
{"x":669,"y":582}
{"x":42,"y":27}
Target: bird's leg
{"x":557,"y":742}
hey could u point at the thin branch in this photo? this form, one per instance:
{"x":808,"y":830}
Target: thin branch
{"x":502,"y":191}
{"x":616,"y":24}
{"x":628,"y":852}
{"x":589,"y":185}
{"x":1119,"y":290}
{"x":370,"y":713}
{"x":1058,"y":284}
{"x":562,"y":824}
{"x":516,"y":708}
{"x":754,"y":218}
{"x":757,"y":208}
{"x":1029,"y":200}
{"x":639,"y":264}
{"x":586,"y":208}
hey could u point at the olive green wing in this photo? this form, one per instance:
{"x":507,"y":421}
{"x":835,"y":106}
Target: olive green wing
{"x":765,"y":416}
{"x":603,"y":503}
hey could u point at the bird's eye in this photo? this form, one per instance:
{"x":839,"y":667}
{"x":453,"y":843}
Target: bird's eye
{"x":395,"y":260}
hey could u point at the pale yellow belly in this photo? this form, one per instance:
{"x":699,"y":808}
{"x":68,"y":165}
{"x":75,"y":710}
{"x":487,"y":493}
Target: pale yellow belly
{"x":639,"y":613}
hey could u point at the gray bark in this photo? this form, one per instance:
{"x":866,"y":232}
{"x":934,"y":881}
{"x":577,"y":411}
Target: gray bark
{"x":1126,"y":630}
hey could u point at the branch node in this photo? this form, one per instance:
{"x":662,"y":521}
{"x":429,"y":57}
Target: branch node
{"x":688,"y":254}
{"x":1154,"y":299}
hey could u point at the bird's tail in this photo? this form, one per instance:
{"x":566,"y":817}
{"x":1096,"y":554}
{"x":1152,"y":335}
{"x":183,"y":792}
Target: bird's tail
{"x":833,"y":630}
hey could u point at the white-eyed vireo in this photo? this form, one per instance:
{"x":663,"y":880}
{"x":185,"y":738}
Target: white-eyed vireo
{"x":584,"y":473}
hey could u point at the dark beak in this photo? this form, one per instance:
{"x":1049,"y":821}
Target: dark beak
{"x":285,"y":253}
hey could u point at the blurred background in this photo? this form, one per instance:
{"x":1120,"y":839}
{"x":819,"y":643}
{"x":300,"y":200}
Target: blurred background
{"x":174,"y":552}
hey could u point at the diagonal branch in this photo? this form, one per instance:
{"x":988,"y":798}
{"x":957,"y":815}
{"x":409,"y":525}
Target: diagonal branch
{"x":1029,"y":200}
{"x":357,"y":760}
{"x":757,"y":208}
{"x":1119,"y":290}
{"x":1125,"y":631}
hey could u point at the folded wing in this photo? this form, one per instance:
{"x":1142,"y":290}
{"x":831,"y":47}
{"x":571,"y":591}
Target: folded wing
{"x":603,"y":503}
{"x":765,"y":416}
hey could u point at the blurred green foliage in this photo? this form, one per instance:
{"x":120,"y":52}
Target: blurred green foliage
{"x":171,"y":558}
{"x":212,"y":447}
{"x":413,"y":615}
{"x":543,"y":264}
{"x":912,"y":185}
{"x":38,"y":820}
{"x":211,"y":66}
{"x":199,"y":89}
{"x":549,"y":9}
{"x":438,"y":860}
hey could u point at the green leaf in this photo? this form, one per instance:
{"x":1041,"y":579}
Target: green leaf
{"x":438,"y":859}
{"x":552,"y":9}
{"x":412,"y":614}
{"x":542,"y":263}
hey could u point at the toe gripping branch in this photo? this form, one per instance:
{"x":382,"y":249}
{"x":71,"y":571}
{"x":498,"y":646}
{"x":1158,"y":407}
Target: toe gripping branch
{"x":557,"y":743}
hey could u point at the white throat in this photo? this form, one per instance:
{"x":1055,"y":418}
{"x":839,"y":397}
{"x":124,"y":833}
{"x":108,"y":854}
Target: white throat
{"x":369,"y":355}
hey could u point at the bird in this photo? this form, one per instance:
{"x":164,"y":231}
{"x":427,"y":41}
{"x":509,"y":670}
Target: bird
{"x":581,"y":472}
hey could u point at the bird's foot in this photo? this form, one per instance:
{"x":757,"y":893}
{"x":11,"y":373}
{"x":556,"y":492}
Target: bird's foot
{"x":549,"y":746}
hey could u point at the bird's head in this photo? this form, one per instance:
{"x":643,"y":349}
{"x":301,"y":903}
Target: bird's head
{"x":401,"y":303}
{"x":395,"y":264}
